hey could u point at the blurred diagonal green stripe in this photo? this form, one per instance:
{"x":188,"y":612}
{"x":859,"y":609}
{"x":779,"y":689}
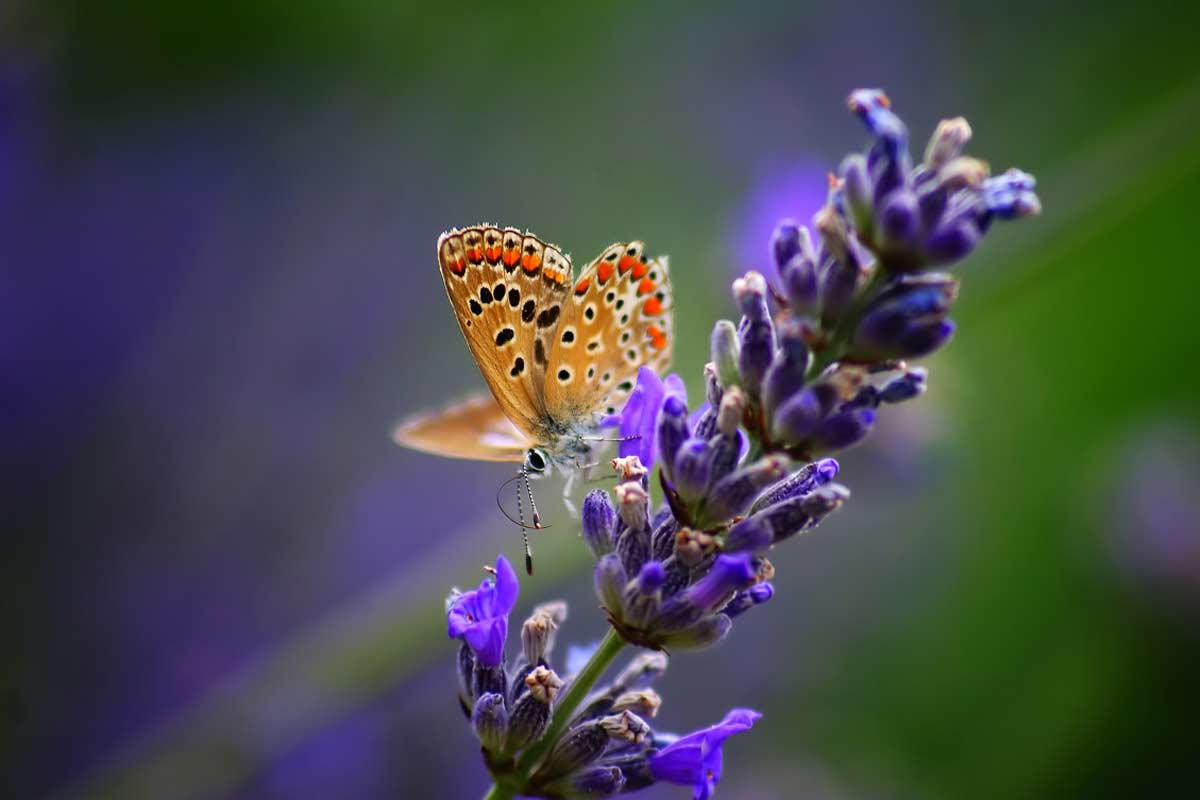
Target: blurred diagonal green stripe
{"x":396,"y":629}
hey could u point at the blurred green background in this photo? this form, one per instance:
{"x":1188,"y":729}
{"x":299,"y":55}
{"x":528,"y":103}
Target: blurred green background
{"x":221,"y":579}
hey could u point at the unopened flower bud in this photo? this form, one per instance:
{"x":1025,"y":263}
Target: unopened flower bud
{"x":747,"y":599}
{"x":490,"y":721}
{"x":733,"y":494}
{"x":725,"y":353}
{"x":642,"y":702}
{"x":947,"y":142}
{"x":597,"y":521}
{"x":537,"y":634}
{"x":626,"y":727}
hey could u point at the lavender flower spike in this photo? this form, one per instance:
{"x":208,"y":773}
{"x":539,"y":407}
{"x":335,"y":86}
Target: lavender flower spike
{"x":695,"y":760}
{"x":480,"y":617}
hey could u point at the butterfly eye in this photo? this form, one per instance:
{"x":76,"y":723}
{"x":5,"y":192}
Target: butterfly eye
{"x":535,"y":460}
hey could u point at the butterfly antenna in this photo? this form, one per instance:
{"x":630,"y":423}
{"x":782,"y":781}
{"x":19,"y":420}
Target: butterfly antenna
{"x":610,"y":438}
{"x":504,"y":511}
{"x":524,"y":533}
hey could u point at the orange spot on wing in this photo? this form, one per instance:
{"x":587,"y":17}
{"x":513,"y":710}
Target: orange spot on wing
{"x":511,"y":257}
{"x":640,"y":269}
{"x":457,"y":266}
{"x":653,"y":306}
{"x":604,"y":271}
{"x":626,"y":263}
{"x":530,"y":262}
{"x":582,"y":285}
{"x":659,"y":342}
{"x":492,"y":254}
{"x":645,"y":287}
{"x":654,"y":331}
{"x":474,"y":254}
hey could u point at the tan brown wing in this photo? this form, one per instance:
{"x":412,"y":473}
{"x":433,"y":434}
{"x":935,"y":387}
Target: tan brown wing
{"x":508,"y":290}
{"x":475,"y":428}
{"x":617,"y":320}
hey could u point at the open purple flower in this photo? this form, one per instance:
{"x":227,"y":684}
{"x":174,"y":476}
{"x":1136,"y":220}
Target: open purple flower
{"x":637,"y":420}
{"x":695,"y":759}
{"x":480,"y":617}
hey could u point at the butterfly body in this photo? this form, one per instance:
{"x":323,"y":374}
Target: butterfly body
{"x":558,"y":352}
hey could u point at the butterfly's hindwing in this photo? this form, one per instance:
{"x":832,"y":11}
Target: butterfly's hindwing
{"x":475,"y":428}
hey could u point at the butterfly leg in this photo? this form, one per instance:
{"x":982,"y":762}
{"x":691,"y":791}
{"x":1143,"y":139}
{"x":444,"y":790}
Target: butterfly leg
{"x":568,"y":490}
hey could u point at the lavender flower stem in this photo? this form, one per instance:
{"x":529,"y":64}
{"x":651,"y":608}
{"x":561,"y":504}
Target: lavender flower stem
{"x":499,"y":791}
{"x":565,"y":708}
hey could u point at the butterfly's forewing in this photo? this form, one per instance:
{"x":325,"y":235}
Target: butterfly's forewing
{"x":508,"y":290}
{"x":618,"y":319}
{"x":475,"y":428}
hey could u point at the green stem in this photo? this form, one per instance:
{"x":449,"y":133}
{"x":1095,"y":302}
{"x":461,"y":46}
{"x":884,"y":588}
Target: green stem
{"x":498,"y":792}
{"x":610,"y":645}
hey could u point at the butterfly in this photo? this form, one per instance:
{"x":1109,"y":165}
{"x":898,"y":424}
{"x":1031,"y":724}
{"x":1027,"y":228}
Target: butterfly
{"x":558,"y":352}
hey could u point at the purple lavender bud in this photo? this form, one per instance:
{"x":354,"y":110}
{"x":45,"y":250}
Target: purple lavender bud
{"x":580,"y":746}
{"x":693,"y":470}
{"x":726,"y":453}
{"x":785,"y":376}
{"x":909,"y":304}
{"x":838,"y":287}
{"x":899,"y":218}
{"x":747,"y":599}
{"x":672,"y":431}
{"x":703,"y":633}
{"x":947,"y":143}
{"x":845,"y":428}
{"x":598,"y":517}
{"x":662,"y":541}
{"x":531,"y":713}
{"x":874,"y":108}
{"x":952,"y":242}
{"x":731,"y":411}
{"x":1011,"y":195}
{"x":490,"y":721}
{"x":650,"y":578}
{"x":785,"y":243}
{"x":634,"y":548}
{"x":733,"y":494}
{"x":751,"y":535}
{"x":789,"y":517}
{"x":642,"y":594}
{"x":679,"y":574}
{"x":856,"y":187}
{"x":800,"y":285}
{"x":799,"y":483}
{"x":757,"y":333}
{"x":904,"y":387}
{"x":798,"y":416}
{"x":725,"y":353}
{"x":729,"y":574}
{"x":922,"y":341}
{"x":610,"y":579}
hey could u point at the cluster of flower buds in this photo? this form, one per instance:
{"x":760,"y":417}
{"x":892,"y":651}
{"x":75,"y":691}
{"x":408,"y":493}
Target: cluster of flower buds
{"x":858,"y":301}
{"x":608,"y":745}
{"x":677,"y":578}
